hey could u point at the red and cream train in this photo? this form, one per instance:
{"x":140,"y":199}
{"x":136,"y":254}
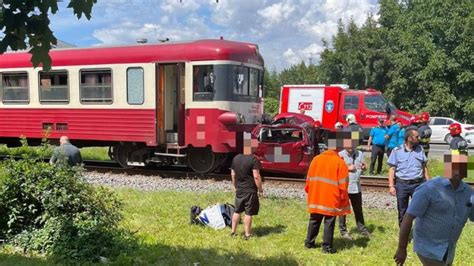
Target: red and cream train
{"x":169,"y":103}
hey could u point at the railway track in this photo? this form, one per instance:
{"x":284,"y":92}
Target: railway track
{"x":377,"y":183}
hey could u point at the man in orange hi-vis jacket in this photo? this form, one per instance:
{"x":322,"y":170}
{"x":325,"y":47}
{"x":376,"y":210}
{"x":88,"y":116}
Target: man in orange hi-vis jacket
{"x":326,"y":185}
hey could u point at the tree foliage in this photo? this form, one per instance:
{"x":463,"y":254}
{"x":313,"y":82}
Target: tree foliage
{"x":52,"y":210}
{"x":420,"y":54}
{"x":25,"y":25}
{"x":296,"y":74}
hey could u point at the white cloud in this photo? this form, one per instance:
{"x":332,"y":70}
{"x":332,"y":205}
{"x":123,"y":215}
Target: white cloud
{"x":287,"y":31}
{"x":291,"y":57}
{"x":276,"y":13}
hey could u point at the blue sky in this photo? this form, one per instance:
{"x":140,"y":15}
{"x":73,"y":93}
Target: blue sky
{"x":287,"y":31}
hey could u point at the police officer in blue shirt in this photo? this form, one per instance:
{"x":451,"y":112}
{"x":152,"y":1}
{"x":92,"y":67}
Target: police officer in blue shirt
{"x":407,"y":170}
{"x":376,"y":144}
{"x":440,"y":208}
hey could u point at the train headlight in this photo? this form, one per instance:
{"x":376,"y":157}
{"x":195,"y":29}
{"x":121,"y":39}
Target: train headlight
{"x":240,"y":118}
{"x":231,"y":118}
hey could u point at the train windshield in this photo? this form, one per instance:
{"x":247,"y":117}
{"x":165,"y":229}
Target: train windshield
{"x":227,"y":83}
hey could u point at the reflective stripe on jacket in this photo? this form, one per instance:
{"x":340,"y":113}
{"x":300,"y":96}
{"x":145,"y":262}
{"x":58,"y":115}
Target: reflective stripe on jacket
{"x":326,"y":185}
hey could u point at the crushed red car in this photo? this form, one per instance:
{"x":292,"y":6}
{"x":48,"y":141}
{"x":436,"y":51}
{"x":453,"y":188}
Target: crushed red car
{"x":288,"y":144}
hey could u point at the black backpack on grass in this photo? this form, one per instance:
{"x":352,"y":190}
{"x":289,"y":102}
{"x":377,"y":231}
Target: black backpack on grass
{"x":195,"y":211}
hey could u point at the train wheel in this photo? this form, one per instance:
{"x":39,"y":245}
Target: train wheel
{"x":120,"y":155}
{"x":201,"y":160}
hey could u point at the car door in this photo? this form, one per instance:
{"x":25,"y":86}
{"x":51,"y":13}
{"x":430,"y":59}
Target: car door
{"x":439,"y":129}
{"x":282,"y":148}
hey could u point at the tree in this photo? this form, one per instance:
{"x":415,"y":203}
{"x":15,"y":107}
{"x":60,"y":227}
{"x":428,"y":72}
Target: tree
{"x":25,"y":25}
{"x":296,"y":74}
{"x":419,"y":53}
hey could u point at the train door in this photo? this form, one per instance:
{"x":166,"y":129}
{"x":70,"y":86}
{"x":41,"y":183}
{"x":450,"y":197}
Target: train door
{"x":170,"y":104}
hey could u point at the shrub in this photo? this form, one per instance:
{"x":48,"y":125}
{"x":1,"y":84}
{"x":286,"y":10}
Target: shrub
{"x":50,"y":209}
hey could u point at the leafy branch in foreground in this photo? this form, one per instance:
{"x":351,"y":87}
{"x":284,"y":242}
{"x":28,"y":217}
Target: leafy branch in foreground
{"x":25,"y":25}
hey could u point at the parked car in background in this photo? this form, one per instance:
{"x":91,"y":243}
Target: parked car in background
{"x":440,"y":133}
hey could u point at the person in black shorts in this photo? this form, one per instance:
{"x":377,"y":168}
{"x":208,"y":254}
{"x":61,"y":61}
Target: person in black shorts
{"x":245,"y":173}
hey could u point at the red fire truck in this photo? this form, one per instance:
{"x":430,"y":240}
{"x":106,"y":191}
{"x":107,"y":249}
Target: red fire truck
{"x":332,"y":103}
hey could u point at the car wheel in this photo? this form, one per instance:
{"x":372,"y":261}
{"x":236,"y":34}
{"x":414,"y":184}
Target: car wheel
{"x":448,"y":138}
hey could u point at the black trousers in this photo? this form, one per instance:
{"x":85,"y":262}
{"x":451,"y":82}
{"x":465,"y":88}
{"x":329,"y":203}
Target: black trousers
{"x":377,"y":154}
{"x":315,"y":220}
{"x":426,"y":148}
{"x":404,"y":193}
{"x":356,"y":202}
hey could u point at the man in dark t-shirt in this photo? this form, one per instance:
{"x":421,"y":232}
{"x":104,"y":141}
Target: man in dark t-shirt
{"x":245,"y":173}
{"x":66,"y":152}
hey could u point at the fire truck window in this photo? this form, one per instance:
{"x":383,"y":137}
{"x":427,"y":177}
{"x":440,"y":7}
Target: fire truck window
{"x":54,"y":87}
{"x":351,"y":102}
{"x":135,"y":85}
{"x":375,"y":103}
{"x":96,"y":86}
{"x":15,"y":88}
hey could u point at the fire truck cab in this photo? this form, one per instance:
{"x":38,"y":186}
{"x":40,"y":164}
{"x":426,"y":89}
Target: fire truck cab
{"x":332,"y":103}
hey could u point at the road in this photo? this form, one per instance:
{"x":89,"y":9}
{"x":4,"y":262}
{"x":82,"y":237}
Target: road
{"x":437,"y":150}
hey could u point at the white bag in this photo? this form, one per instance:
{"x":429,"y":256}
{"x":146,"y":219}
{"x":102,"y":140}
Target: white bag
{"x":212,"y":217}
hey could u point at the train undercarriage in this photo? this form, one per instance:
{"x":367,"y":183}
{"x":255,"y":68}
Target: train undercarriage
{"x":199,"y":159}
{"x":130,"y":154}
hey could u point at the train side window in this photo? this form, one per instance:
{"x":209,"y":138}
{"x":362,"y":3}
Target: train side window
{"x":203,"y":83}
{"x":15,"y":88}
{"x":54,"y":87}
{"x":96,"y":86}
{"x":135,"y":85}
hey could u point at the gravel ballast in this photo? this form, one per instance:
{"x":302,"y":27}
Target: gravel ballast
{"x":379,"y":200}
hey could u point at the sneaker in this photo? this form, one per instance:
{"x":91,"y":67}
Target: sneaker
{"x":310,"y":246}
{"x":346,"y":235}
{"x":328,"y":250}
{"x":233,"y":235}
{"x":247,"y":237}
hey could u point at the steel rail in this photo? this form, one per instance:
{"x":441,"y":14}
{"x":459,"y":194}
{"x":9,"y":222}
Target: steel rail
{"x":368,"y":182}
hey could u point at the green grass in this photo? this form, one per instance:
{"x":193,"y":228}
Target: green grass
{"x":435,"y":167}
{"x":88,"y":153}
{"x":160,"y":220}
{"x":95,"y":154}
